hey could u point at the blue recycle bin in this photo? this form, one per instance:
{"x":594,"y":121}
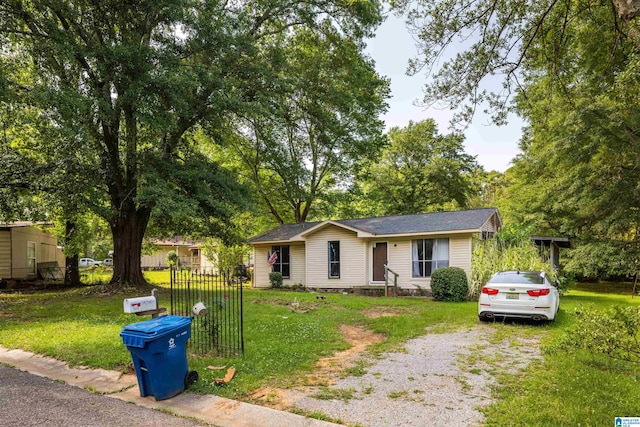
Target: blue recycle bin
{"x":158,"y":348}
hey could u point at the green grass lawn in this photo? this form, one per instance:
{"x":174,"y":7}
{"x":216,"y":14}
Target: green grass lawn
{"x":569,"y":388}
{"x":281,"y":346}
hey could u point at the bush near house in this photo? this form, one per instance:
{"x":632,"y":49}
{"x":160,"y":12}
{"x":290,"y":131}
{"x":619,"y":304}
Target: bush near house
{"x":275,"y":279}
{"x":172,"y":259}
{"x":449,"y":284}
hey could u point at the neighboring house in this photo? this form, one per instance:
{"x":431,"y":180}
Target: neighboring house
{"x":352,"y":253}
{"x":23,"y":247}
{"x":190,"y":253}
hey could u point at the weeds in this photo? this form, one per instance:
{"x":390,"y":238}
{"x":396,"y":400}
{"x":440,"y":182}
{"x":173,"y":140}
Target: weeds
{"x":344,"y":394}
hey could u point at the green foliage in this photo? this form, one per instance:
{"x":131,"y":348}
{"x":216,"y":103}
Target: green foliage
{"x":420,"y":171}
{"x":109,"y":102}
{"x":604,"y":259}
{"x":89,"y":236}
{"x":511,"y":249}
{"x":571,"y":70}
{"x":225,"y":258}
{"x":514,"y":35}
{"x":612,"y":331}
{"x":325,"y":122}
{"x":449,"y":284}
{"x":327,"y":393}
{"x":275,"y":278}
{"x":172,"y":259}
{"x":194,"y":196}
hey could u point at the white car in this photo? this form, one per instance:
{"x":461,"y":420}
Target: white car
{"x":108,"y":262}
{"x":519,"y":294}
{"x":87,"y":262}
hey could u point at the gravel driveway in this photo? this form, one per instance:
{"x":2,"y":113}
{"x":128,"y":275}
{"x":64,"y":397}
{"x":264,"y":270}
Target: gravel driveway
{"x":431,"y":384}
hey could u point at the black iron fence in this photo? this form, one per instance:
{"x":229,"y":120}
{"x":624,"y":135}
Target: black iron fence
{"x":216,"y":304}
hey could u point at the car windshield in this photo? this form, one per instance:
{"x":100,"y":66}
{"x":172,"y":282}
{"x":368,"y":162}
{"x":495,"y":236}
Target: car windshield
{"x":526,"y":277}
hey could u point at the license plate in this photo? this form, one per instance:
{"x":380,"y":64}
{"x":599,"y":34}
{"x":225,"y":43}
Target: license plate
{"x":511,"y":295}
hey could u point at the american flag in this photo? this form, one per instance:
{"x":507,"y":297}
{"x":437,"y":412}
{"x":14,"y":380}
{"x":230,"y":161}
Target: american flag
{"x":272,"y":258}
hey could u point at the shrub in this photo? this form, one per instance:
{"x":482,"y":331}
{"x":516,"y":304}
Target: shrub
{"x":172,"y":259}
{"x":275,"y":279}
{"x":612,"y":332}
{"x":511,"y":249}
{"x":449,"y":284}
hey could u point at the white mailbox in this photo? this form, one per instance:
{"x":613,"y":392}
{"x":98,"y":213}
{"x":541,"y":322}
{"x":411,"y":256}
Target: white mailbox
{"x":136,"y":305}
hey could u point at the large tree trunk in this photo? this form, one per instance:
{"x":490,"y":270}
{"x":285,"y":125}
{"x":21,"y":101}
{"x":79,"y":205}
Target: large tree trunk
{"x":71,"y":271}
{"x":128,"y":231}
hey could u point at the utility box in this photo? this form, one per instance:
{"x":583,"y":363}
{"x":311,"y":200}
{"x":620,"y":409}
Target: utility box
{"x":136,"y":305}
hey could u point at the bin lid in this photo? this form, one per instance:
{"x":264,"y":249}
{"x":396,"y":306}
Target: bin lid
{"x":137,"y":334}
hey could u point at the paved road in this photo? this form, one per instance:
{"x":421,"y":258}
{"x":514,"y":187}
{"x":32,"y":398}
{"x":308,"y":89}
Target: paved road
{"x":30,"y":400}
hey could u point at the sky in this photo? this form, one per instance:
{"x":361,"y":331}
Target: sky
{"x":391,"y":49}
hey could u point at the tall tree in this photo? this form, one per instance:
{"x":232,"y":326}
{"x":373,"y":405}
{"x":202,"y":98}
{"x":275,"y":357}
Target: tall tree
{"x":325,"y":120}
{"x":123,"y":86}
{"x":576,"y":174}
{"x":583,"y":151}
{"x":465,"y":45}
{"x":421,"y":171}
{"x":573,"y":68}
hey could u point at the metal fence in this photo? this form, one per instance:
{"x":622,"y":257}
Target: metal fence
{"x":216,"y":304}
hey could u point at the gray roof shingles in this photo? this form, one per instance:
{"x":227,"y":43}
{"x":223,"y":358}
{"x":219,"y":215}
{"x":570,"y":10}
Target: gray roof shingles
{"x":400,"y":224}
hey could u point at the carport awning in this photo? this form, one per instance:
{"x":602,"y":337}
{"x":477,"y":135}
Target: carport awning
{"x":561,"y":242}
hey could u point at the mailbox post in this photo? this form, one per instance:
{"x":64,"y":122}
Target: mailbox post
{"x":142,"y":306}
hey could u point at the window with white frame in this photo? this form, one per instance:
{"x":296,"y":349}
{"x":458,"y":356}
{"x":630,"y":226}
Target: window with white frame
{"x":31,"y":257}
{"x":428,"y":255}
{"x":334,"y":259}
{"x":282,"y":263}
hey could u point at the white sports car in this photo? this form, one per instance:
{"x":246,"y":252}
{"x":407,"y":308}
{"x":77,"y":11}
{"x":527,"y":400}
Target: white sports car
{"x":520,"y":294}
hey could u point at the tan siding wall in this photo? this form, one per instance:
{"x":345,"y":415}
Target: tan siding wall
{"x":45,"y":252}
{"x":206,"y":265}
{"x":297,"y":264}
{"x":368,"y":260}
{"x":460,"y":253}
{"x":159,"y":258}
{"x":491,"y":225}
{"x":261,"y":270}
{"x":353,"y":259}
{"x":400,"y":259}
{"x":60,"y":258}
{"x":5,"y":254}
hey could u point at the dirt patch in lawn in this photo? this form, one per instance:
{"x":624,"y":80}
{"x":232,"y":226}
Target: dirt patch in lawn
{"x":276,"y":398}
{"x":359,"y":338}
{"x":295,"y":306}
{"x":378,"y":312}
{"x":327,"y":369}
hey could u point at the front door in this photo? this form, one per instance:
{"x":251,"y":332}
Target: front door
{"x":379,"y":260}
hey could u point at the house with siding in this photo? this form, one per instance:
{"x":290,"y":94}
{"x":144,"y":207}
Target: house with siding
{"x":190,"y":253}
{"x":23,"y":246}
{"x":353,"y":253}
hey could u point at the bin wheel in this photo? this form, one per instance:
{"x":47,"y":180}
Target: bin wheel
{"x":190,"y":378}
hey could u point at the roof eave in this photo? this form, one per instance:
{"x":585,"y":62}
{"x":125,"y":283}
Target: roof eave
{"x":323,"y":224}
{"x":430,"y":233}
{"x":294,"y":239}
